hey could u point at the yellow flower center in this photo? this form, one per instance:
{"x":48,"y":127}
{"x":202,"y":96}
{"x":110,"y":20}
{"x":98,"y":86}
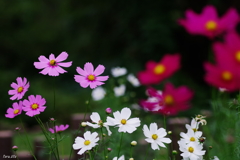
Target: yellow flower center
{"x":154,"y":136}
{"x":194,"y":129}
{"x":159,"y":69}
{"x":34,"y":106}
{"x":91,"y":77}
{"x":192,"y":139}
{"x":168,"y":99}
{"x":20,"y":89}
{"x":190,"y":149}
{"x":211,"y":25}
{"x":16,"y":111}
{"x":87,"y":142}
{"x":237,"y":56}
{"x":52,"y":62}
{"x":226,"y":75}
{"x":123,"y":121}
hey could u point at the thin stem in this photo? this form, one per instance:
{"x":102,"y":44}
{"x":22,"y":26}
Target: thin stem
{"x":104,"y":151}
{"x":165,"y":126}
{"x":29,"y":145}
{"x":146,"y":155}
{"x":120,"y":145}
{"x":16,"y":155}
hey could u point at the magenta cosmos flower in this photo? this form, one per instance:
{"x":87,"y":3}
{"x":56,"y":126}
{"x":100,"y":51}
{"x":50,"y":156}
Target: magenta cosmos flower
{"x":157,"y":71}
{"x":89,"y":76}
{"x":52,"y":66}
{"x":208,"y":23}
{"x":34,"y":105}
{"x":15,"y":110}
{"x":19,"y":88}
{"x":59,"y":128}
{"x":168,"y":102}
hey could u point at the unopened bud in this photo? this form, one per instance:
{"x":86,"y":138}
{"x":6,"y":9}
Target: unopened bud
{"x":169,"y":132}
{"x":174,"y":152}
{"x":108,"y":110}
{"x":201,"y":139}
{"x":83,"y":124}
{"x":109,"y":149}
{"x":14,"y":148}
{"x":17,"y":129}
{"x":131,"y":158}
{"x":210,"y":147}
{"x":133,"y":143}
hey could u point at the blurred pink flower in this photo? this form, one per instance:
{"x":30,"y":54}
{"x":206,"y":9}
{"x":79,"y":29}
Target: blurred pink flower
{"x":59,"y":128}
{"x":16,"y":110}
{"x":52,"y":66}
{"x":34,"y":105}
{"x":19,"y":88}
{"x":89,"y":76}
{"x":156,"y":72}
{"x":208,"y":23}
{"x":168,"y":102}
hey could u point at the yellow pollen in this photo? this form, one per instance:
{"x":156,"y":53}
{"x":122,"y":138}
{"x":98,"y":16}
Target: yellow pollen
{"x":34,"y":106}
{"x":91,"y":77}
{"x":154,"y":136}
{"x":237,"y":56}
{"x":52,"y":62}
{"x":191,"y":149}
{"x":123,"y":121}
{"x":226,"y":75}
{"x":168,"y":100}
{"x":16,"y":111}
{"x":211,"y":25}
{"x":20,"y":89}
{"x":159,"y":69}
{"x":194,"y":129}
{"x":87,"y":142}
{"x":192,"y":139}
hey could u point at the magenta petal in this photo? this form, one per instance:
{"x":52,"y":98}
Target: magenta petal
{"x":81,"y":71}
{"x":43,"y":59}
{"x":99,"y":70}
{"x":40,"y":65}
{"x":65,"y":64}
{"x":101,"y":78}
{"x":210,"y":12}
{"x":62,"y":56}
{"x":51,"y":130}
{"x":88,"y":67}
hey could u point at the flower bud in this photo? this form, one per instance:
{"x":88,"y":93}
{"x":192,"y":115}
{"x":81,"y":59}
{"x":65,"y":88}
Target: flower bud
{"x":108,"y":110}
{"x":52,"y":120}
{"x":15,"y":148}
{"x":174,"y":152}
{"x":109,"y":149}
{"x":133,"y":143}
{"x":201,"y":139}
{"x":17,"y":129}
{"x":83,"y":124}
{"x":131,"y":158}
{"x":169,"y":132}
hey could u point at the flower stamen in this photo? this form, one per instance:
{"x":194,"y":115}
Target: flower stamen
{"x":34,"y":106}
{"x":52,"y":62}
{"x":237,"y":56}
{"x":154,"y":136}
{"x":192,"y":139}
{"x":20,"y":89}
{"x":190,"y":149}
{"x":159,"y":69}
{"x":168,"y":99}
{"x":211,"y":25}
{"x":16,"y":111}
{"x":123,"y":121}
{"x":226,"y":75}
{"x":91,"y":77}
{"x":87,"y":142}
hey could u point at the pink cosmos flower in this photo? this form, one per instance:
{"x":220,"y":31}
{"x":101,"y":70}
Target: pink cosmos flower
{"x":208,"y":23}
{"x":156,"y":72}
{"x":19,"y":88}
{"x":168,"y":102}
{"x":59,"y":128}
{"x":34,"y":105}
{"x":89,"y":76}
{"x":16,"y":110}
{"x":52,"y":66}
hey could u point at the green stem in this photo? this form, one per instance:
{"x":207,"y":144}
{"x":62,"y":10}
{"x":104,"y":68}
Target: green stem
{"x":29,"y":145}
{"x":146,"y":155}
{"x":90,"y":155}
{"x":16,"y":155}
{"x":104,"y":151}
{"x":120,"y":145}
{"x":165,"y":126}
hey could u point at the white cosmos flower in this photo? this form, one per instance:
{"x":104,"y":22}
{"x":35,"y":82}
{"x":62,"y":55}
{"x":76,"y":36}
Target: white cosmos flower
{"x":133,"y":80}
{"x":194,"y":125}
{"x":85,"y":143}
{"x":215,"y":158}
{"x":119,"y":91}
{"x":121,"y":120}
{"x":120,"y":158}
{"x":190,"y":136}
{"x":155,"y":136}
{"x":191,"y":151}
{"x":98,"y":93}
{"x":118,"y":71}
{"x":97,"y":122}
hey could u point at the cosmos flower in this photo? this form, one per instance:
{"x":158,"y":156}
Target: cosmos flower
{"x":87,"y":142}
{"x":123,"y":121}
{"x":89,"y":76}
{"x":194,"y":125}
{"x":98,"y":93}
{"x":15,"y":110}
{"x":118,"y":71}
{"x":59,"y":128}
{"x":190,"y":136}
{"x":155,"y":136}
{"x":133,"y":80}
{"x":119,"y":91}
{"x":208,"y":23}
{"x":97,"y":122}
{"x":34,"y":105}
{"x":52,"y":66}
{"x":19,"y":88}
{"x":157,"y":71}
{"x":120,"y":158}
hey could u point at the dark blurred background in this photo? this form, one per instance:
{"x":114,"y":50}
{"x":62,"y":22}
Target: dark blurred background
{"x":112,"y":33}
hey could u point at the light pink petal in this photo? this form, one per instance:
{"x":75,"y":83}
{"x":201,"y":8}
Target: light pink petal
{"x":26,"y":103}
{"x":81,"y":71}
{"x":14,"y":85}
{"x":65,"y":64}
{"x":24,"y":81}
{"x":84,"y":83}
{"x":62,"y":56}
{"x":102,"y":78}
{"x":51,"y":130}
{"x":43,"y":59}
{"x":41,"y":109}
{"x":88,"y":67}
{"x":45,"y":71}
{"x":51,"y":57}
{"x":40,"y":65}
{"x":12,"y":92}
{"x":19,"y":81}
{"x":93,"y":85}
{"x":99,"y":70}
{"x":31,"y":113}
{"x":79,"y":79}
{"x":14,"y":97}
{"x":53,"y":72}
{"x":32,"y":99}
{"x":60,"y":70}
